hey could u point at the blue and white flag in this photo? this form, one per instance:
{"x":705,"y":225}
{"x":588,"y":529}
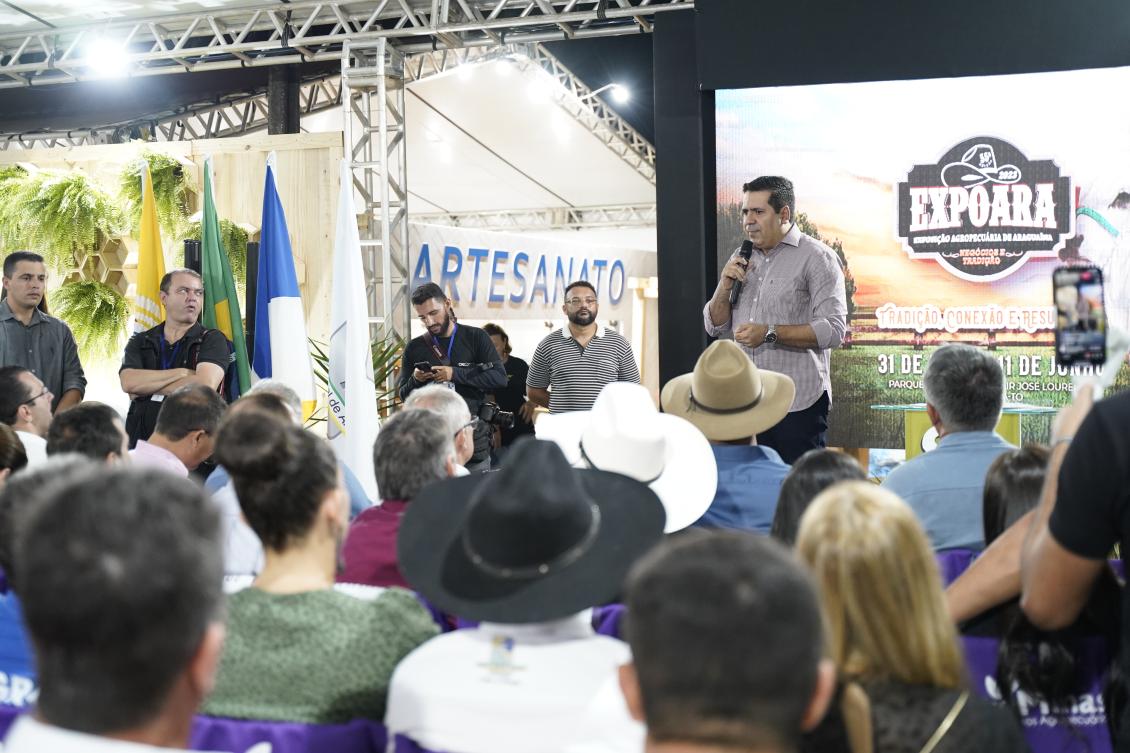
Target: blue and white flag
{"x":352,"y":407}
{"x":282,"y":351}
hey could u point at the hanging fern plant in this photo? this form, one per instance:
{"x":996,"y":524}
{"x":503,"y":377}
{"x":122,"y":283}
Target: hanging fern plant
{"x":97,"y":315}
{"x":171,"y":186}
{"x":55,"y":214}
{"x":11,"y":171}
{"x":14,"y":174}
{"x":234,"y":240}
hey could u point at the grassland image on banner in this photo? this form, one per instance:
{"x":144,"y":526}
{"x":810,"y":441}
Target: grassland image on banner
{"x":950,"y":201}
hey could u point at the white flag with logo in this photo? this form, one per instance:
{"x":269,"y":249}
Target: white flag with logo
{"x":353,"y":421}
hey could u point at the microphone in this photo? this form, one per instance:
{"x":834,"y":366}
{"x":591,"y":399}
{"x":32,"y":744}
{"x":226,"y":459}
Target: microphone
{"x":745,"y":252}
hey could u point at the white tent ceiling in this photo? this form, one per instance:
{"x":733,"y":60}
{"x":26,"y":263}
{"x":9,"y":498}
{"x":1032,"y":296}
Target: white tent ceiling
{"x":498,"y":139}
{"x":494,"y":138}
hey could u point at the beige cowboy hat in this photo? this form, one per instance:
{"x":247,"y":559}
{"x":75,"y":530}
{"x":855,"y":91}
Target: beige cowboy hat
{"x":624,"y":433}
{"x":727,"y":396}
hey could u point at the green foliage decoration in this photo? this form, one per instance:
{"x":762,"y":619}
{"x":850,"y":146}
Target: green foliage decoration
{"x":386,"y":349}
{"x":13,"y":173}
{"x":56,"y":214}
{"x":809,"y":228}
{"x":97,"y":315}
{"x":233,"y":238}
{"x":171,"y":186}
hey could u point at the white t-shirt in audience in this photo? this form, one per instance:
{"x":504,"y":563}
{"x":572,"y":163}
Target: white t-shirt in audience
{"x":31,"y":736}
{"x":541,"y":688}
{"x":35,"y":447}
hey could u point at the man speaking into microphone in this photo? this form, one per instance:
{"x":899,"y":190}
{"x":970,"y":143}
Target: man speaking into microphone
{"x":783,"y":301}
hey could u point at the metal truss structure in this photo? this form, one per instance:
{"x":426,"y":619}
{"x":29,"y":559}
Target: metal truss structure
{"x":551,"y":218}
{"x":247,"y":112}
{"x":237,"y":115}
{"x":372,"y":89}
{"x":270,"y":33}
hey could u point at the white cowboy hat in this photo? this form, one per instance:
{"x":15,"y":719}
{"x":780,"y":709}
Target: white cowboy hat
{"x":625,"y":433}
{"x":727,"y":396}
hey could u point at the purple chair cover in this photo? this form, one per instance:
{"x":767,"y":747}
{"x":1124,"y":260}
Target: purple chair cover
{"x":403,"y":744}
{"x":8,"y":717}
{"x":1045,"y":732}
{"x":606,"y":620}
{"x":953,"y":562}
{"x":239,"y":735}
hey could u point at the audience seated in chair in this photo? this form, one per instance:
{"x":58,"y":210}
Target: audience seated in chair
{"x":413,"y":449}
{"x":296,"y":649}
{"x":625,"y":433}
{"x":91,"y":429}
{"x":812,"y":473}
{"x":273,"y":388}
{"x":727,"y":646}
{"x":13,"y":457}
{"x":889,"y":629}
{"x":460,"y":425}
{"x":119,"y":573}
{"x":185,"y":433}
{"x":1053,"y":669}
{"x":526,"y":550}
{"x":731,"y":401}
{"x":25,"y":406}
{"x":17,"y":498}
{"x":964,"y":389}
{"x":243,"y":552}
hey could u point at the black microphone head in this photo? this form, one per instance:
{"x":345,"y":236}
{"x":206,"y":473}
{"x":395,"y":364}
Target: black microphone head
{"x":747,"y":249}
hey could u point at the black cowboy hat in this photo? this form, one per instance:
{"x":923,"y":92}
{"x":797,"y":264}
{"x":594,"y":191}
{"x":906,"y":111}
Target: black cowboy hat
{"x":534,"y":542}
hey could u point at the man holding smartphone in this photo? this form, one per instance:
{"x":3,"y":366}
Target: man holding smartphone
{"x":455,"y":355}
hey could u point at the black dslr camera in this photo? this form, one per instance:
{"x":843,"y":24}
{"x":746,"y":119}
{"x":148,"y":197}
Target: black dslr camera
{"x":491,"y":414}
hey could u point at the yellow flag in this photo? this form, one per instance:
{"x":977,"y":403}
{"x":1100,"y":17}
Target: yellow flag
{"x":148,"y":311}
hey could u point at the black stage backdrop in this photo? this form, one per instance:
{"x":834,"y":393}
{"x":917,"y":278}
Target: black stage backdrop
{"x":741,"y":43}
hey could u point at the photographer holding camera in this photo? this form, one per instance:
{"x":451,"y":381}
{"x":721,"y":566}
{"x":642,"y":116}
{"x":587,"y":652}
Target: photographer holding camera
{"x":457,"y":356}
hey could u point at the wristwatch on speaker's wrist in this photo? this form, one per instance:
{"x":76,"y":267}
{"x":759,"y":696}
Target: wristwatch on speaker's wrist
{"x":771,"y":334}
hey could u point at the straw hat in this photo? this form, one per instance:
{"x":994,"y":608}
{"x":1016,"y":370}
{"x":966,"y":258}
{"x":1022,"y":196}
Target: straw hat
{"x":727,"y":396}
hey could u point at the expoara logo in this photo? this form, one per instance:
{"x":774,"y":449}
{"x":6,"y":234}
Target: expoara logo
{"x":983,"y":209}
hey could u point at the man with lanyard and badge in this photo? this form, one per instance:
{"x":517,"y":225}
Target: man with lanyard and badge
{"x":177,"y":352}
{"x":460,"y":357}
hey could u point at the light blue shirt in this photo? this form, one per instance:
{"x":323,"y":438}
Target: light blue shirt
{"x":944,"y":487}
{"x":358,"y":502}
{"x":749,"y":482}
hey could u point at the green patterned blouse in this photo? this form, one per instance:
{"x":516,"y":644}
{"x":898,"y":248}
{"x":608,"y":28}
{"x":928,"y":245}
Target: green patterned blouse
{"x":319,"y":657}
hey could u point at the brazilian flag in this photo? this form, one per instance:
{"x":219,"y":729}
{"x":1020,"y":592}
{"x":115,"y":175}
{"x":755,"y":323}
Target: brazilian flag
{"x":221,"y":304}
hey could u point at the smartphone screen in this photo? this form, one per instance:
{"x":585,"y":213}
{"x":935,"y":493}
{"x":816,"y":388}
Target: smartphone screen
{"x":1080,"y":333}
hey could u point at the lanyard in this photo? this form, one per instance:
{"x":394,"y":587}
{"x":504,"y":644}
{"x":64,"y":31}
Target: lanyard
{"x":450,"y":345}
{"x":167,"y":363}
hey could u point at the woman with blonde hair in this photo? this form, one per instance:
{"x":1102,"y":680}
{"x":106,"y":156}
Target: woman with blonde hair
{"x":888,"y":629}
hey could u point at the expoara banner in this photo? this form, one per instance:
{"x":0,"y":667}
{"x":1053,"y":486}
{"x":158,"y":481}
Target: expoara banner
{"x":950,"y":202}
{"x":491,"y":275}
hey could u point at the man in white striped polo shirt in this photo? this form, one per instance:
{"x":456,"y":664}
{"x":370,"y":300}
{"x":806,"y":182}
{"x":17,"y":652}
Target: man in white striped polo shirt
{"x":791,"y":310}
{"x":578,"y":359}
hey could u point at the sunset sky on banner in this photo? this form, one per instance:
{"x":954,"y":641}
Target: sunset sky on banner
{"x":847,"y":146}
